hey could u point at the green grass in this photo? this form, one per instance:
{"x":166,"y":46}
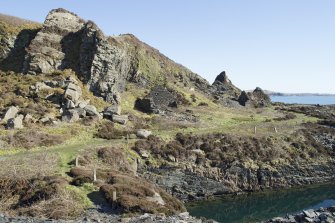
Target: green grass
{"x":80,"y":194}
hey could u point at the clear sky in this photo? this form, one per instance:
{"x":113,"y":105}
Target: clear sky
{"x":280,"y":45}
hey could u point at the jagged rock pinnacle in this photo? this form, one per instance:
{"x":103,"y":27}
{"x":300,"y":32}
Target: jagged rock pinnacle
{"x":222,"y":77}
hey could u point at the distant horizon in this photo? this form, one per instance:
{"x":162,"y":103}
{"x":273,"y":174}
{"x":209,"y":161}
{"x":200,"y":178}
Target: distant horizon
{"x":285,"y":47}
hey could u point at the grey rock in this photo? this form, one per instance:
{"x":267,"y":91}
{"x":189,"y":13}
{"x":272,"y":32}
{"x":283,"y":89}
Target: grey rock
{"x":120,"y":119}
{"x":45,"y":120}
{"x":69,"y":104}
{"x":257,"y":98}
{"x":223,"y":89}
{"x":40,"y":86}
{"x":157,"y":100}
{"x":10,"y":113}
{"x":73,"y":93}
{"x":81,"y":112}
{"x":184,"y":215}
{"x":112,"y":110}
{"x":70,"y":116}
{"x":15,"y":123}
{"x":309,"y":213}
{"x":82,"y":104}
{"x":45,"y":54}
{"x":143,"y":133}
{"x":91,"y":111}
{"x":244,"y":98}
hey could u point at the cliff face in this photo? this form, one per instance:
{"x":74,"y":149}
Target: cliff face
{"x":105,"y":64}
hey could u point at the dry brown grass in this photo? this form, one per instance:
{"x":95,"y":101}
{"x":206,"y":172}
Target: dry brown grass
{"x":107,"y":130}
{"x":28,"y":165}
{"x":30,"y":138}
{"x":133,"y":193}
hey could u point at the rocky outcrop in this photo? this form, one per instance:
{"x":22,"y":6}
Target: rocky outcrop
{"x":158,"y":100}
{"x":320,"y":215}
{"x":65,"y":41}
{"x":47,"y":51}
{"x":95,"y":215}
{"x":224,"y":88}
{"x":224,"y":91}
{"x":257,"y":98}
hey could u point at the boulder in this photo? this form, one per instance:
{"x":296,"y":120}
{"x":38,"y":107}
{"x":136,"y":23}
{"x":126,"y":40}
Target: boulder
{"x":159,"y":99}
{"x":10,"y":113}
{"x":15,"y":123}
{"x":40,"y":86}
{"x":309,"y":213}
{"x":73,"y":93}
{"x":112,"y":110}
{"x":45,"y":120}
{"x":121,"y":119}
{"x":91,"y":111}
{"x":81,"y":112}
{"x":82,"y":104}
{"x":143,"y":133}
{"x":70,"y":116}
{"x":243,"y":98}
{"x":69,"y":104}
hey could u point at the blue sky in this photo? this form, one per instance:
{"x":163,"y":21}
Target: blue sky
{"x":280,"y":45}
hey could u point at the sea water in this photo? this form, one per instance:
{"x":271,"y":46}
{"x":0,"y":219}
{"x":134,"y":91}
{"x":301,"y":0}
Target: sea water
{"x":307,"y":99}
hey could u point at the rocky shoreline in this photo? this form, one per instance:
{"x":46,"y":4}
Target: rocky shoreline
{"x":94,"y":216}
{"x":326,"y":215}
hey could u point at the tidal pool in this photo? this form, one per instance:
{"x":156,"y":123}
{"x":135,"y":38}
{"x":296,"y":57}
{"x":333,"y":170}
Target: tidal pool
{"x":255,"y":207}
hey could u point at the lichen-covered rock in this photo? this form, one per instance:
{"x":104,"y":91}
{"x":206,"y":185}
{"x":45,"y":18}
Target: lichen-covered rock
{"x":15,"y":123}
{"x":10,"y":113}
{"x":73,"y":93}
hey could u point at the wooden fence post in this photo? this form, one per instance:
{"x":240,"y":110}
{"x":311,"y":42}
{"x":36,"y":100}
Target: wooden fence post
{"x":114,"y":196}
{"x":94,"y":175}
{"x":77,"y":161}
